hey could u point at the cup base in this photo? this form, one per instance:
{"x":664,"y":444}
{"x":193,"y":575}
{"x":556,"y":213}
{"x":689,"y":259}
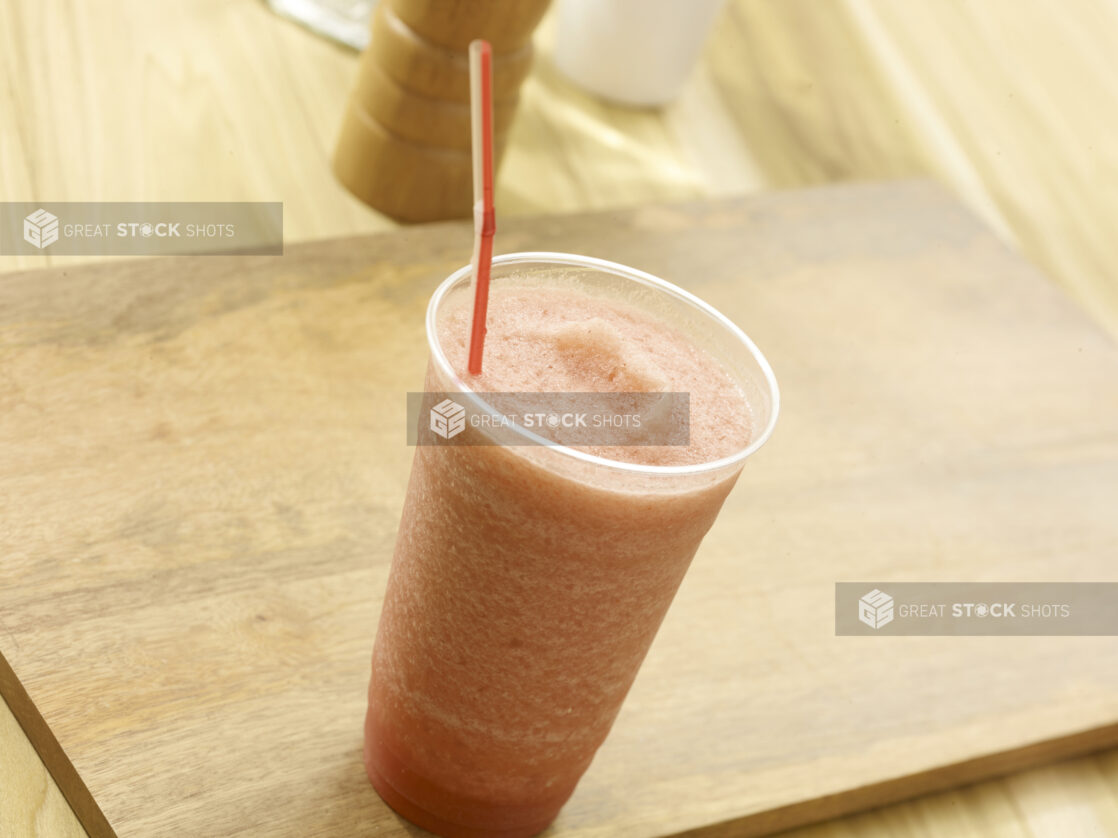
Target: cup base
{"x":405,"y":807}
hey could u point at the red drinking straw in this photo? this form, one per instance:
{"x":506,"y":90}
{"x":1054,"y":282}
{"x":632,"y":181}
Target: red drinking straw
{"x":485,"y":222}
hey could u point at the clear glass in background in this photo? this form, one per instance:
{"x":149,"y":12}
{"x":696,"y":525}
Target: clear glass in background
{"x":635,"y":52}
{"x":528,"y":583}
{"x":345,"y":21}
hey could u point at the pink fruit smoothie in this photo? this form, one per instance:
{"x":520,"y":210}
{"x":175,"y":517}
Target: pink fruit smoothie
{"x":524,"y":594}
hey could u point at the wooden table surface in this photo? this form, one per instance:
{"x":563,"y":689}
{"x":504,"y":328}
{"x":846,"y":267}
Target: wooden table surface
{"x":1010,"y":103}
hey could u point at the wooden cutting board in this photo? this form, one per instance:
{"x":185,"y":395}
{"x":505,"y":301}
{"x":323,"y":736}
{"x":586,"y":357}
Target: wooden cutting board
{"x":204,"y":462}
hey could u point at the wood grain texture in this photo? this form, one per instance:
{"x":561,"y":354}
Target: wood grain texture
{"x":1001,"y":100}
{"x":1076,"y":798}
{"x":1010,"y":103}
{"x":205,"y":465}
{"x":31,"y":805}
{"x":31,"y":795}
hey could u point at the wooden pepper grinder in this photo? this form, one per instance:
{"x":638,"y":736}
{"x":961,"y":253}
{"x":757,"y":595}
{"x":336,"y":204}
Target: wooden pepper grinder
{"x":404,"y":146}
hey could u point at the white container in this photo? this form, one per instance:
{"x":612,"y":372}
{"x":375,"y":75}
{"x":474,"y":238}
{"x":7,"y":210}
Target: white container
{"x":636,"y":52}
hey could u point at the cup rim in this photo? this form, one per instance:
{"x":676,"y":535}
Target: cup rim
{"x":639,"y":276}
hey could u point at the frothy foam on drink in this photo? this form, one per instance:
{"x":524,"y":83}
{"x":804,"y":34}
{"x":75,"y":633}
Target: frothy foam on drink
{"x":596,"y":355}
{"x":555,"y":340}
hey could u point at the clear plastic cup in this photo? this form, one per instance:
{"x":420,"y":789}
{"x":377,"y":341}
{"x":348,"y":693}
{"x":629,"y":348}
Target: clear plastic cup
{"x":528,"y":583}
